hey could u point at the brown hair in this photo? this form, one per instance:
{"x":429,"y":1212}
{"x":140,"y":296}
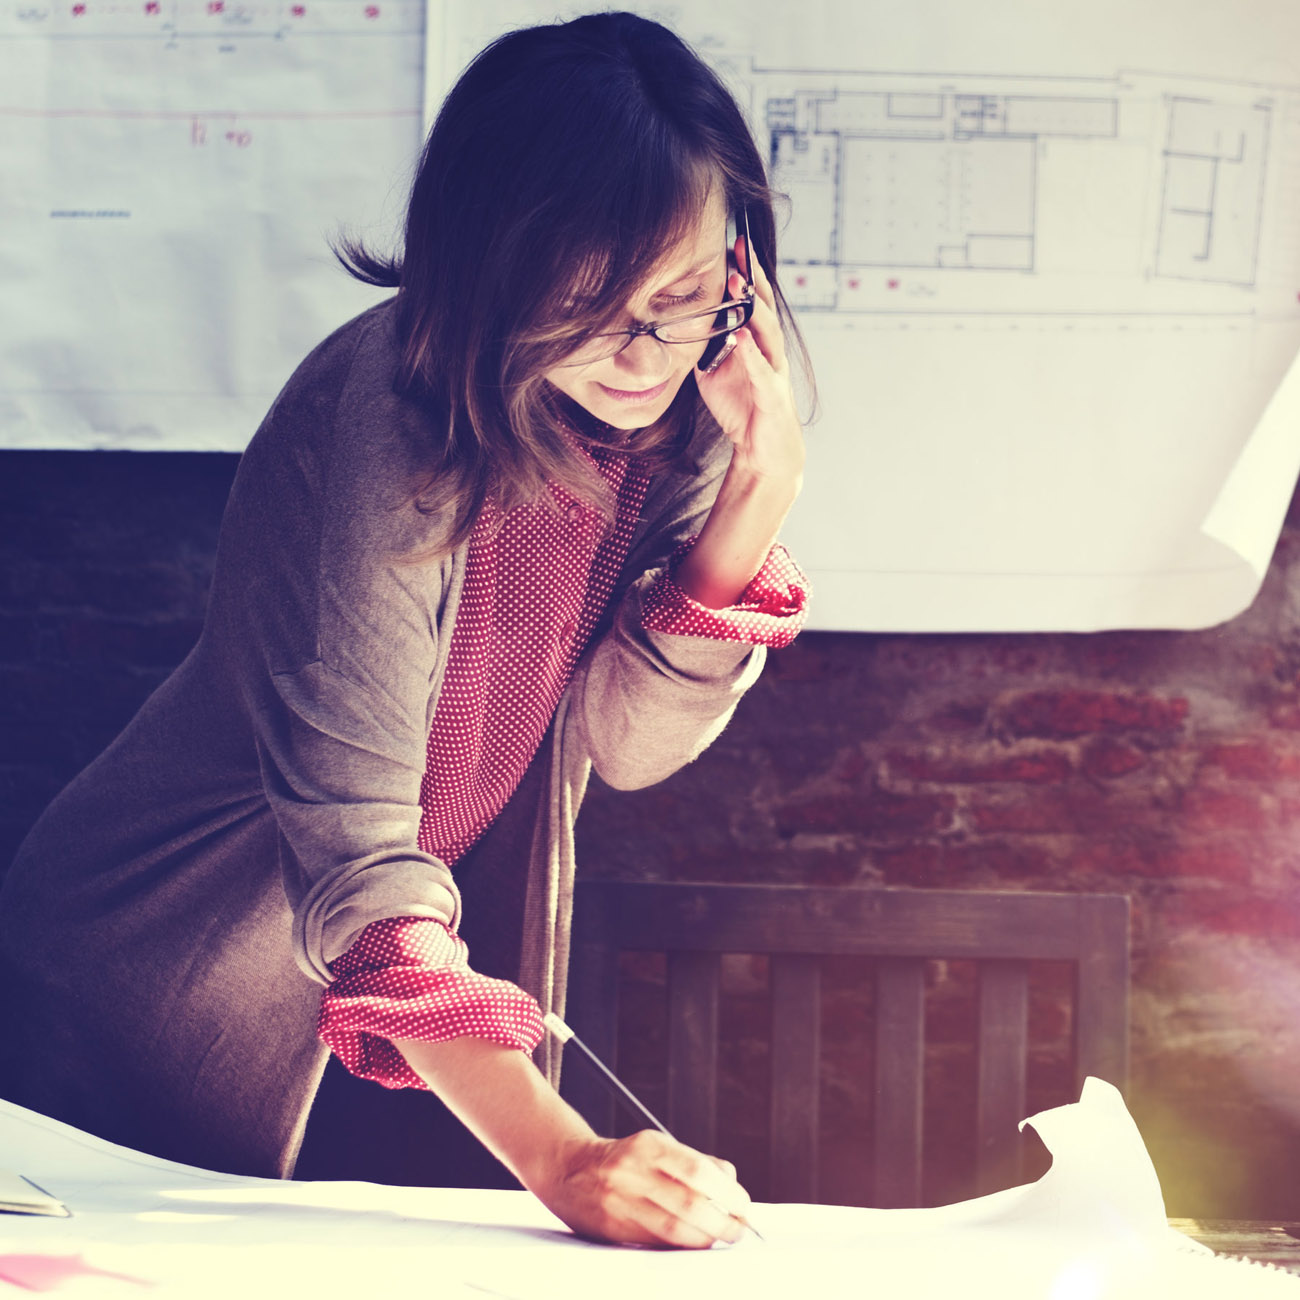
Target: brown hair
{"x":565,"y":162}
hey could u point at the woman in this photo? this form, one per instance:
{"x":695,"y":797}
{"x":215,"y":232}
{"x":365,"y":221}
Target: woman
{"x":493,"y":532}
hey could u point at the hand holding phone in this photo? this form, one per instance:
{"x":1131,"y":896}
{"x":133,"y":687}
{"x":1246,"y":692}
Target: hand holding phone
{"x":736,"y":311}
{"x":751,"y":395}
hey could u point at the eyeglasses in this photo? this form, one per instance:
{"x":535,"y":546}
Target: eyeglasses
{"x":698,"y":327}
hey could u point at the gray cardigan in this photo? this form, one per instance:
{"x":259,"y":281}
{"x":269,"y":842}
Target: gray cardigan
{"x":168,"y":923}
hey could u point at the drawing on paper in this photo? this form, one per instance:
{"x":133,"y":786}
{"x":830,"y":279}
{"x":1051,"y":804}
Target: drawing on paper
{"x":222,"y":21}
{"x":920,"y":180}
{"x":1214,"y":191}
{"x":184,"y":164}
{"x":1014,"y":195}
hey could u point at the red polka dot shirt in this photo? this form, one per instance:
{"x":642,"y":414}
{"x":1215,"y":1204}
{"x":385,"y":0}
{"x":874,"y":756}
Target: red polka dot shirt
{"x":537,"y":581}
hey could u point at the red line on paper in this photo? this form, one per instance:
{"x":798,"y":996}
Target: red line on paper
{"x":154,"y":115}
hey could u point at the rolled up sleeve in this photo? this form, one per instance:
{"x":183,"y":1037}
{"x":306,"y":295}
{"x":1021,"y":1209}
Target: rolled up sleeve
{"x":410,"y":978}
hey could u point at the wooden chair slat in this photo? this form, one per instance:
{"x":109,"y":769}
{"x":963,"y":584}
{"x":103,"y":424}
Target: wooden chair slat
{"x":871,"y":922}
{"x":1101,"y":992}
{"x":796,"y":1076}
{"x":693,"y":980}
{"x":899,"y":1081}
{"x":592,"y":1004}
{"x":1002,"y":1054}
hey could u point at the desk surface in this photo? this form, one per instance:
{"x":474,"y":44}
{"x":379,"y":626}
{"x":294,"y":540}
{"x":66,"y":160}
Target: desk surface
{"x":1269,"y":1242}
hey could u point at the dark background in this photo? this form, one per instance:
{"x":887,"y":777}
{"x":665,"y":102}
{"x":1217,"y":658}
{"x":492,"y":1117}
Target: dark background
{"x":1164,"y":765}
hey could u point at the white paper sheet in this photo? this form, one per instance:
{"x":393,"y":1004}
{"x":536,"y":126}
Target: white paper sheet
{"x":1045,"y":262}
{"x":1093,"y":1228}
{"x":173,"y":171}
{"x":1044,"y":259}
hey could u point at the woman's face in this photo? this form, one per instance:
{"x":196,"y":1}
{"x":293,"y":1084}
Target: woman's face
{"x":633,"y":389}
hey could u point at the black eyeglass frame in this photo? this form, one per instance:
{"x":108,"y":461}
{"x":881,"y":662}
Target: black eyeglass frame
{"x":745,"y":303}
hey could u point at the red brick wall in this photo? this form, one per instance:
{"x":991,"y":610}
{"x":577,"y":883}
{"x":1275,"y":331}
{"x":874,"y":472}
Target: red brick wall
{"x":1162,"y":765}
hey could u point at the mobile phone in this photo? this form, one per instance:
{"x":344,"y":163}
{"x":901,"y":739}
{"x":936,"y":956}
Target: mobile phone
{"x":719,"y":349}
{"x":720,"y":346}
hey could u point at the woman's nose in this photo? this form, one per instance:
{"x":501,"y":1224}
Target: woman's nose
{"x":642,"y":357}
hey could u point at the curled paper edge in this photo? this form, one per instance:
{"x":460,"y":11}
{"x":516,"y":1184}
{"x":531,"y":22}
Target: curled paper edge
{"x":1248,"y":511}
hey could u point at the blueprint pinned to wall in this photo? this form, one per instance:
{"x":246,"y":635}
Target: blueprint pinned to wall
{"x":1044,"y":260}
{"x":174,"y":172}
{"x":1046,"y":264}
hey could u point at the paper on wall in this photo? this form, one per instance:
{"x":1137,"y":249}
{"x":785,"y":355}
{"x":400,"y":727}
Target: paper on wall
{"x":1247,"y":514}
{"x":175,"y":170}
{"x":1045,"y":262}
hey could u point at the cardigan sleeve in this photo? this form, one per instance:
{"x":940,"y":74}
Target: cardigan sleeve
{"x":331,"y":634}
{"x":647,"y":698}
{"x":409,"y":977}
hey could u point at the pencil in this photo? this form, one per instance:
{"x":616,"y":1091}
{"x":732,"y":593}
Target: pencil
{"x":566,"y":1035}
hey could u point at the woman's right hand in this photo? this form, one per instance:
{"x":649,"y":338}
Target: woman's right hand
{"x":648,"y":1189}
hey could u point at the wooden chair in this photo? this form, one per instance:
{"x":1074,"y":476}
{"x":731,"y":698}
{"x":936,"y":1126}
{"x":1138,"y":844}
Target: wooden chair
{"x":901,"y":929}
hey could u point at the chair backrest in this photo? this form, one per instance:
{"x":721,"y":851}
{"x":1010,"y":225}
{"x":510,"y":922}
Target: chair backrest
{"x":901,"y":928}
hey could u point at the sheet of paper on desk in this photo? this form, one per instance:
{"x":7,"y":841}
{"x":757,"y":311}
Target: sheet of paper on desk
{"x":1093,"y":1228}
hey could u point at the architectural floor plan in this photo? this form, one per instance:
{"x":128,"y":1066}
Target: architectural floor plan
{"x":1011,"y":195}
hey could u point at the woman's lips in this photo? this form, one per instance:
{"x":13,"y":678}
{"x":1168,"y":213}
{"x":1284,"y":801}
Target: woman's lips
{"x":642,"y":395}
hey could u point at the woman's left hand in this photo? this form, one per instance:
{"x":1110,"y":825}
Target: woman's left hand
{"x":750,"y":393}
{"x":751,"y":398}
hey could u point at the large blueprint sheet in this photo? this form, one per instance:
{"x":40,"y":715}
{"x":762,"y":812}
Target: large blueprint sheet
{"x":1046,"y":260}
{"x":173,"y":171}
{"x":1092,"y":1228}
